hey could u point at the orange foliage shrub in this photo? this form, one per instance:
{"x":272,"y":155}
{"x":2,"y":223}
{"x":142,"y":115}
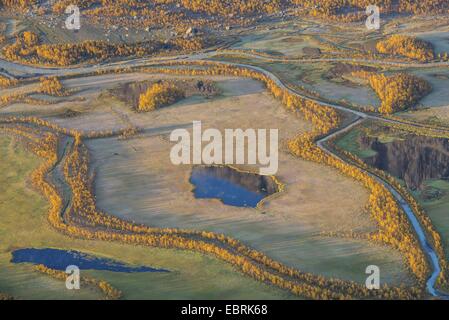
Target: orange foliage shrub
{"x":51,"y":86}
{"x":159,"y":95}
{"x":394,"y":228}
{"x":398,"y":92}
{"x":6,"y":82}
{"x":408,"y":47}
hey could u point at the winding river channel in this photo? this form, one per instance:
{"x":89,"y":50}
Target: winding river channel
{"x":422,"y":237}
{"x":427,"y":248}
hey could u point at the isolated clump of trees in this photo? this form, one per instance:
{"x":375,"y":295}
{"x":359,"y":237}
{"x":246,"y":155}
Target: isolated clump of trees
{"x":159,"y":95}
{"x":7,"y":82}
{"x":51,"y":86}
{"x":407,"y":46}
{"x":399,"y":91}
{"x":396,"y":92}
{"x":109,"y":291}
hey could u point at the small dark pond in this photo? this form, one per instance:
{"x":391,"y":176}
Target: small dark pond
{"x":60,"y":259}
{"x":413,"y":159}
{"x":232,"y":187}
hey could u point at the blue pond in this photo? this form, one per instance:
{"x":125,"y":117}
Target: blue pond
{"x":232,"y":187}
{"x":60,"y":259}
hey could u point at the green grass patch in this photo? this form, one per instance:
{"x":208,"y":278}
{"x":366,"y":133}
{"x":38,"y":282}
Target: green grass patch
{"x":437,"y":207}
{"x":350,"y":142}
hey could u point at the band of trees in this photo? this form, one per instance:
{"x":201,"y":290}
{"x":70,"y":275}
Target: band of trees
{"x":52,"y":86}
{"x":7,"y":82}
{"x":398,"y":92}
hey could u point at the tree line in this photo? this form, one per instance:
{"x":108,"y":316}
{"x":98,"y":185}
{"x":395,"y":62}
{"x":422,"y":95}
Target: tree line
{"x":249,"y":261}
{"x":28,"y":49}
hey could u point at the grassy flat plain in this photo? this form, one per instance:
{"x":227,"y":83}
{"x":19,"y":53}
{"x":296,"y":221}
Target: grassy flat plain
{"x":136,"y":180}
{"x":290,"y":38}
{"x":349,"y":142}
{"x":312,"y":77}
{"x":23,"y":224}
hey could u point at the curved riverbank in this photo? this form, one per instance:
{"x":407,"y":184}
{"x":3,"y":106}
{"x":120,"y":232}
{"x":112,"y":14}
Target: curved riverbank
{"x":418,"y":229}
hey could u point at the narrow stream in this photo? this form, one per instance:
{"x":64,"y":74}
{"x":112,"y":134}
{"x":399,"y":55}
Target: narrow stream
{"x":430,"y":284}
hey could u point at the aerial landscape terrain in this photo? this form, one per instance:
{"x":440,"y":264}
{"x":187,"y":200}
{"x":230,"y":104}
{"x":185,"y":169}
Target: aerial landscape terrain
{"x":116,"y":164}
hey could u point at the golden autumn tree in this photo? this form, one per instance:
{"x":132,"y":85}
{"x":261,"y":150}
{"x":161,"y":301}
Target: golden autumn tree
{"x":398,"y":92}
{"x":159,"y":95}
{"x":407,"y":46}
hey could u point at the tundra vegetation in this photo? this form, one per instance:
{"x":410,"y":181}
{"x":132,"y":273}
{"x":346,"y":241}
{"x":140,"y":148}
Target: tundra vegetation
{"x":25,"y":224}
{"x":6,"y":82}
{"x":65,"y":178}
{"x":395,"y":229}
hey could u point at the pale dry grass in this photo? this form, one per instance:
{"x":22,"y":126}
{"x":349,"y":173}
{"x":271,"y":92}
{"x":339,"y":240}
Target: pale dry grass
{"x":136,"y":180}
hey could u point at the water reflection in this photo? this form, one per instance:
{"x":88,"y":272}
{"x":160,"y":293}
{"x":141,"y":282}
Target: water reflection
{"x":232,"y":187}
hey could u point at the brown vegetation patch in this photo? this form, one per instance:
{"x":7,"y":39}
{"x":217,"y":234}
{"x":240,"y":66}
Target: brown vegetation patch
{"x":309,"y":51}
{"x":70,"y":113}
{"x":340,"y":69}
